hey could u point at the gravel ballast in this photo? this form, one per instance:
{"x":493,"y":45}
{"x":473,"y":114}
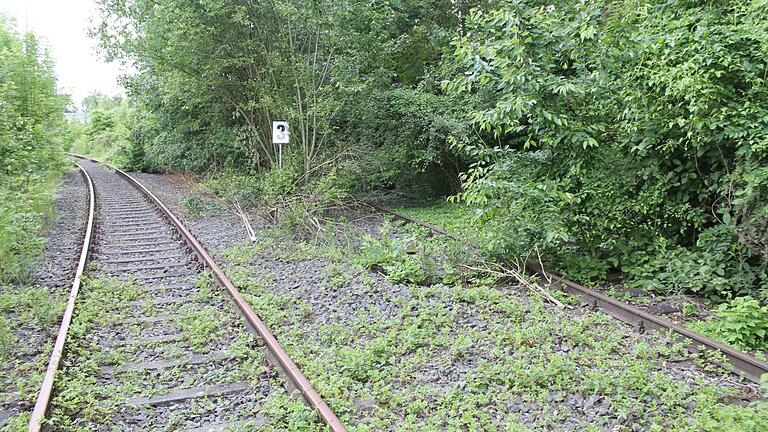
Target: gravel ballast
{"x":35,"y":309}
{"x":399,"y":357}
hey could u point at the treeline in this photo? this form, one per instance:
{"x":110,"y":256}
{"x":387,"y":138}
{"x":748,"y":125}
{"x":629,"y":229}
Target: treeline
{"x":31,"y":157}
{"x":356,"y":80}
{"x":103,"y":131}
{"x":609,"y":136}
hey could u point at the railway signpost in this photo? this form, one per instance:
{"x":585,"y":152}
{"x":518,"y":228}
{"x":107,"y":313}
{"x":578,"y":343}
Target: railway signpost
{"x":280,"y":136}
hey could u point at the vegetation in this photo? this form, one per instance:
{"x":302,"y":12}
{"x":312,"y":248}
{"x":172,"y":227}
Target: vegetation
{"x":741,"y":323}
{"x":609,"y":139}
{"x":586,"y":132}
{"x":614,"y":142}
{"x":105,"y":134}
{"x":26,"y":313}
{"x":31,"y":121}
{"x":85,"y":398}
{"x":463,"y":353}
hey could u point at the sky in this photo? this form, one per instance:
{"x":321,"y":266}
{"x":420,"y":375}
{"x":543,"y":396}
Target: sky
{"x":63,"y":26}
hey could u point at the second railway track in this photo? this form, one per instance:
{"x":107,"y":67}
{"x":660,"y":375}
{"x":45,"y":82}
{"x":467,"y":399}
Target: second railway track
{"x":176,"y":354}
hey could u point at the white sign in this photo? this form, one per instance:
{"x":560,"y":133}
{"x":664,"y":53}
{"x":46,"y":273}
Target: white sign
{"x":280,"y":132}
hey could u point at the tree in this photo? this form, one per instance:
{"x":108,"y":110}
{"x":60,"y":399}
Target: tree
{"x":31,"y":117}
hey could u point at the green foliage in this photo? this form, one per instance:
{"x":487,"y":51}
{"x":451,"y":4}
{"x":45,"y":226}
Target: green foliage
{"x":407,"y":270}
{"x":31,"y":119}
{"x":34,"y":305}
{"x":392,"y":257}
{"x":108,"y":134}
{"x":742,"y":323}
{"x":620,"y":130}
{"x":519,"y":212}
{"x":357,"y":82}
{"x":408,"y":132}
{"x":716,"y":268}
{"x":411,"y":257}
{"x":196,"y":206}
{"x":457,"y":218}
{"x":235,"y":187}
{"x":6,"y":339}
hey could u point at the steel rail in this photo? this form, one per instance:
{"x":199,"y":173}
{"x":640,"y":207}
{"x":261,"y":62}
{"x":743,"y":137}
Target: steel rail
{"x":746,"y":364}
{"x":46,"y":389}
{"x":277,"y":354}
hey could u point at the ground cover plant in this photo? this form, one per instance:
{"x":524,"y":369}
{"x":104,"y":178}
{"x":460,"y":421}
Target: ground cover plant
{"x":741,"y":322}
{"x":28,"y":325}
{"x":85,"y":393}
{"x":466,"y":353}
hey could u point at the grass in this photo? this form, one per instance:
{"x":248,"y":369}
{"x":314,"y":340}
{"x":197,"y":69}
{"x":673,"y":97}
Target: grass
{"x":456,"y":218}
{"x":26,"y":208}
{"x":459,"y":356}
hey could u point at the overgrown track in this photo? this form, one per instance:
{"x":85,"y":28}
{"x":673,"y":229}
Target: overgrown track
{"x":741,"y":362}
{"x":138,"y":240}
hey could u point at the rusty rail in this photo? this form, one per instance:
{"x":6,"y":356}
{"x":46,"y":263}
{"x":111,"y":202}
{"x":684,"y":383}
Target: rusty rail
{"x":46,"y":389}
{"x":276,"y":352}
{"x":746,"y":364}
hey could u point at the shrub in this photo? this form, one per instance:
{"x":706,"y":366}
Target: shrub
{"x":718,"y":267}
{"x":604,"y":134}
{"x":31,"y":119}
{"x":742,"y":323}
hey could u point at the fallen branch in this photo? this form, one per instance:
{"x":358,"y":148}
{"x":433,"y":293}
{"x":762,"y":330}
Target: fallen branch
{"x":238,"y":209}
{"x":505,"y":272}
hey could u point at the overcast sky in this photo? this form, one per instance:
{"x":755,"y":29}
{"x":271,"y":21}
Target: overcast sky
{"x":63,"y":24}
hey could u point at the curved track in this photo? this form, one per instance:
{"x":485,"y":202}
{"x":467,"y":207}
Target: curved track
{"x":741,"y":362}
{"x":138,"y":239}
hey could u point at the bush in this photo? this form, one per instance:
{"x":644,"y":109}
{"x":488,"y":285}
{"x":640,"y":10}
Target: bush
{"x":518,"y":211}
{"x":718,"y":267}
{"x":742,"y":323}
{"x":30,"y":155}
{"x":405,"y":137}
{"x":607,"y":139}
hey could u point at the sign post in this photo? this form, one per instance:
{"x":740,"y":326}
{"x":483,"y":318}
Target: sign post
{"x":280,"y":136}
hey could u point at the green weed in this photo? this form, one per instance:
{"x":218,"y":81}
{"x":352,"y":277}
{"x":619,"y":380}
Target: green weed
{"x":742,"y":323}
{"x":6,"y":339}
{"x":195,"y":206}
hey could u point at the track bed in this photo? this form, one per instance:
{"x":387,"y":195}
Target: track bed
{"x":154,"y":344}
{"x":478,"y":356}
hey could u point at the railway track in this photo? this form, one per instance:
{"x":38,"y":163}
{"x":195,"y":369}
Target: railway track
{"x":174,"y":378}
{"x":741,"y":362}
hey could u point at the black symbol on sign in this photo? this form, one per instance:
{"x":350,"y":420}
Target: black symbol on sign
{"x":281,"y":128}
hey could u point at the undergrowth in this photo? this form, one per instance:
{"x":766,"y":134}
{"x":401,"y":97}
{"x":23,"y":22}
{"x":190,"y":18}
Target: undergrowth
{"x":742,"y":323}
{"x":465,"y":355}
{"x":717,"y":268}
{"x":26,"y":313}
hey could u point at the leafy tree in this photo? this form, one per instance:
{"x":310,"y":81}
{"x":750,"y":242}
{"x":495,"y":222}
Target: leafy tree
{"x":31,"y":117}
{"x":647,"y":118}
{"x":213,"y":75}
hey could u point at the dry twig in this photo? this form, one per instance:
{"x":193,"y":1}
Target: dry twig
{"x":506,"y":272}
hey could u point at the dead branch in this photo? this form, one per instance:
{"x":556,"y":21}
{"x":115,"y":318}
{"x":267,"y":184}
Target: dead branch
{"x":505,"y":272}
